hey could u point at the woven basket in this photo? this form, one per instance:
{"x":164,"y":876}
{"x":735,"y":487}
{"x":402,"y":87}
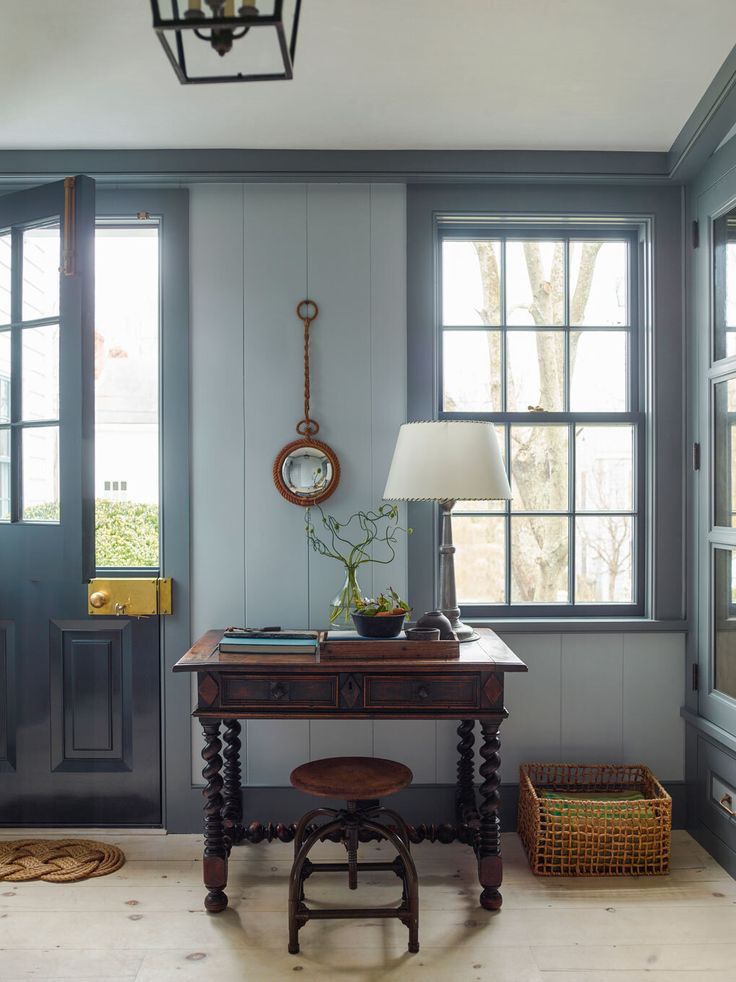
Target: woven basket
{"x":579,"y":837}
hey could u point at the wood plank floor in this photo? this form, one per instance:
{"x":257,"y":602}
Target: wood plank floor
{"x":147,"y":922}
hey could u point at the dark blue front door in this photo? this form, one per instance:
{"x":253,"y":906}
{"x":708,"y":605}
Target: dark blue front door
{"x":79,"y":695}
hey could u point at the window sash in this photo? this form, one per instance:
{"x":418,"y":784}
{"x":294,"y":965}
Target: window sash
{"x":456,"y":229}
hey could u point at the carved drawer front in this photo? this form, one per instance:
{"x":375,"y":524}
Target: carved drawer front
{"x":452,"y":691}
{"x":279,"y":690}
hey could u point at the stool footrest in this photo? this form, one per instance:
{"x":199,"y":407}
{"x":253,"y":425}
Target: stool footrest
{"x":344,"y":867}
{"x":346,"y":913}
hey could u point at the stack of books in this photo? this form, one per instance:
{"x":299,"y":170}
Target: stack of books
{"x":248,"y":641}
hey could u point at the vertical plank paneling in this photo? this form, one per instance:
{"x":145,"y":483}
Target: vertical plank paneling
{"x":413,"y":743}
{"x":533,"y":730}
{"x":275,"y":747}
{"x":592,"y":695}
{"x":340,"y":738}
{"x":339,"y":281}
{"x":217,"y":394}
{"x":276,"y":569}
{"x":216,"y":230}
{"x":653,"y":730}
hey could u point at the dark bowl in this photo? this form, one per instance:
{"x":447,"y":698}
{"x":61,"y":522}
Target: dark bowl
{"x":379,"y":627}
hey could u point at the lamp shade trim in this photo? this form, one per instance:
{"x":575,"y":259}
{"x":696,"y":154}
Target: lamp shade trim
{"x":447,"y":460}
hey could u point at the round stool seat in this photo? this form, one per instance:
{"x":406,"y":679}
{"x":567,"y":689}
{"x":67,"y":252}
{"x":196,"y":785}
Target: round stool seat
{"x":351,"y":778}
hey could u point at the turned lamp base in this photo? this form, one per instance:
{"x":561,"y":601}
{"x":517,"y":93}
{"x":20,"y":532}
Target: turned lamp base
{"x":448,"y":596}
{"x":464,"y":632}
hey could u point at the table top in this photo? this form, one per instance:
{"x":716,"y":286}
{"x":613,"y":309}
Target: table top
{"x":489,"y":653}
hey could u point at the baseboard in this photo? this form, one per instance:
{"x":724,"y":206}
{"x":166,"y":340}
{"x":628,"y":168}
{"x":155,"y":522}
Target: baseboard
{"x":431,"y":804}
{"x":716,"y":847}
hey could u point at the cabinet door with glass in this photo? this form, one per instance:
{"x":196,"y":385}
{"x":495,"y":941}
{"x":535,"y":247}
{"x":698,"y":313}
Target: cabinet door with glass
{"x":716,"y":289}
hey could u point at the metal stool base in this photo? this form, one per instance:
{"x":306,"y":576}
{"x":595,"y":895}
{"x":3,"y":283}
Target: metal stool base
{"x":358,"y":816}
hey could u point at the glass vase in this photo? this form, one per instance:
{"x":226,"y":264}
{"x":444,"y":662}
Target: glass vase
{"x":345,"y":600}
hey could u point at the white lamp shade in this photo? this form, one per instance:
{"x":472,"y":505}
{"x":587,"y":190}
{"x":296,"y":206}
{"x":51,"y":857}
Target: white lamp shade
{"x":447,"y":461}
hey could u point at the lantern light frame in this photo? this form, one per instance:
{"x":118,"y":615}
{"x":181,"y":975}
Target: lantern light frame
{"x":179,"y":24}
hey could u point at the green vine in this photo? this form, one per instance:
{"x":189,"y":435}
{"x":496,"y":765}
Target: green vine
{"x":375,"y":528}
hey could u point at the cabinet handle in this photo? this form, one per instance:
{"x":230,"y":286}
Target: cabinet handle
{"x":726,"y":804}
{"x":278,"y":691}
{"x":422,"y":692}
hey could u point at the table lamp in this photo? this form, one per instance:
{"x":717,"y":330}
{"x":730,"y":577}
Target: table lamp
{"x":447,"y":461}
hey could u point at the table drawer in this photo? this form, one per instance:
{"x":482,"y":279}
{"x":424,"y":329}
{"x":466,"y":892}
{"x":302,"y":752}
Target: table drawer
{"x":451,"y":691}
{"x":295,"y":691}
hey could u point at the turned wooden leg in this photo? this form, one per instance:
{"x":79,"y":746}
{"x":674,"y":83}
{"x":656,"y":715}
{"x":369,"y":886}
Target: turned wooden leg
{"x":215,"y":845}
{"x":465,"y":804}
{"x":488,"y":843}
{"x":232,"y":813}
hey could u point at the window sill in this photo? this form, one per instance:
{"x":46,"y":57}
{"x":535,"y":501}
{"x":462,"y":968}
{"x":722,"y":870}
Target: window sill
{"x":578,"y":625}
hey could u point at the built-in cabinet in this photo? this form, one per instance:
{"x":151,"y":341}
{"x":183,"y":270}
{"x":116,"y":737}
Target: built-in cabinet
{"x":711,"y":711}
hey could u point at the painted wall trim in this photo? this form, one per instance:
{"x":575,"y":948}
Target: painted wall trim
{"x":659,"y":213}
{"x":706,"y":126}
{"x":427,"y":803}
{"x":173,"y":208}
{"x":581,"y":625}
{"x":702,"y":133}
{"x":711,"y":730}
{"x":416,"y":166}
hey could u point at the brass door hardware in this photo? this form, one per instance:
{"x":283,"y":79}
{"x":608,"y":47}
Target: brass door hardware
{"x":726,"y":803}
{"x":130,"y":597}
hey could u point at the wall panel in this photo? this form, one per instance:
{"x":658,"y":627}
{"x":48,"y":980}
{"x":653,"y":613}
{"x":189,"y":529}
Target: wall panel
{"x":256,"y":251}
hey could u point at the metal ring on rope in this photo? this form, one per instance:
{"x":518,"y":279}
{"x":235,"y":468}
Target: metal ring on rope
{"x":307,"y":427}
{"x":302,"y":310}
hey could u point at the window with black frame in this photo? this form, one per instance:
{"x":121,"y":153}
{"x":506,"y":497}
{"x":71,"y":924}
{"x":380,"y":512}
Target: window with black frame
{"x":539,"y":335}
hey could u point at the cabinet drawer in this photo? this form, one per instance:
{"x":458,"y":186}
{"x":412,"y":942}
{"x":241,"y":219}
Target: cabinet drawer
{"x":296,"y":691}
{"x":717,"y":790}
{"x":393,"y":691}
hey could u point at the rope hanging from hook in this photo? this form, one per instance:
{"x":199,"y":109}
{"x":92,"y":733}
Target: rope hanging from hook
{"x":307,"y":312}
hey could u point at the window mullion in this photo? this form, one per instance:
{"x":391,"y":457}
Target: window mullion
{"x":571,"y":493}
{"x":16,"y":368}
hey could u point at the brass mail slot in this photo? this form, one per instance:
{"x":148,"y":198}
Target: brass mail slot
{"x":133,"y":597}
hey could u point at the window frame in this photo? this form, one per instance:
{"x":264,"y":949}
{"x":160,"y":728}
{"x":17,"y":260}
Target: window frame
{"x":120,"y":218}
{"x":451,"y":227}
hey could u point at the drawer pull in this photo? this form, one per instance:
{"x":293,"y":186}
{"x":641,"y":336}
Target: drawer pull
{"x":422,"y":692}
{"x":726,"y":804}
{"x":278,"y":691}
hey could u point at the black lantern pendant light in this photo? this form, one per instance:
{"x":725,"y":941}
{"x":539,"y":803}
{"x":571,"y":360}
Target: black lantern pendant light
{"x":208,"y":34}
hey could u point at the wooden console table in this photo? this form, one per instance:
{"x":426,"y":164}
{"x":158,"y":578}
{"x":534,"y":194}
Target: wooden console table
{"x":231,"y":688}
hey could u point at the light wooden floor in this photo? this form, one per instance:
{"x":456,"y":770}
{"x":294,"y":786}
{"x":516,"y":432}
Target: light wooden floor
{"x":147,"y":922}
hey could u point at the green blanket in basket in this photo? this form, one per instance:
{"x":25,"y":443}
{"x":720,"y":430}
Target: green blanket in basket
{"x":570,"y":812}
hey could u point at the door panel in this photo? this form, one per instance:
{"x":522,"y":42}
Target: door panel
{"x":83,"y":745}
{"x":715,"y":279}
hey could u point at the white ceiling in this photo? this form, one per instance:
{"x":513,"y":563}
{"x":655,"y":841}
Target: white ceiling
{"x":372,"y":74}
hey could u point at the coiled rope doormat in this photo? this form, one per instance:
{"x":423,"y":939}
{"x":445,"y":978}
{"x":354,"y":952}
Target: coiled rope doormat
{"x":57,"y":860}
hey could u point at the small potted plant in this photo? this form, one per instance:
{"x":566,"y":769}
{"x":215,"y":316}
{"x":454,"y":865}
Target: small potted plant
{"x":382,"y":617}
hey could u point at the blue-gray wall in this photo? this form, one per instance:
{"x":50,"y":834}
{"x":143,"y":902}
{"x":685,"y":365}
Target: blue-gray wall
{"x":256,"y":250}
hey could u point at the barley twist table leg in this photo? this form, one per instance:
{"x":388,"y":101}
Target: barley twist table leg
{"x":488,"y":843}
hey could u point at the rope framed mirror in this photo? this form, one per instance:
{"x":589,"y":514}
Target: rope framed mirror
{"x":306,"y":471}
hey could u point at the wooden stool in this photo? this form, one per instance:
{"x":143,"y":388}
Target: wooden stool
{"x":362,"y":782}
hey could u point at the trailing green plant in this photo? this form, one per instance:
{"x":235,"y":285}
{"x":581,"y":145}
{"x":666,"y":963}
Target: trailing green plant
{"x":374,"y":529}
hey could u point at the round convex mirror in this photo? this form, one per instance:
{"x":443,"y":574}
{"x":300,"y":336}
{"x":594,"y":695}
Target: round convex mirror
{"x":306,"y":472}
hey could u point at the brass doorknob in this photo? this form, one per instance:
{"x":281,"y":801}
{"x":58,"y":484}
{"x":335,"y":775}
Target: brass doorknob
{"x":99,"y":599}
